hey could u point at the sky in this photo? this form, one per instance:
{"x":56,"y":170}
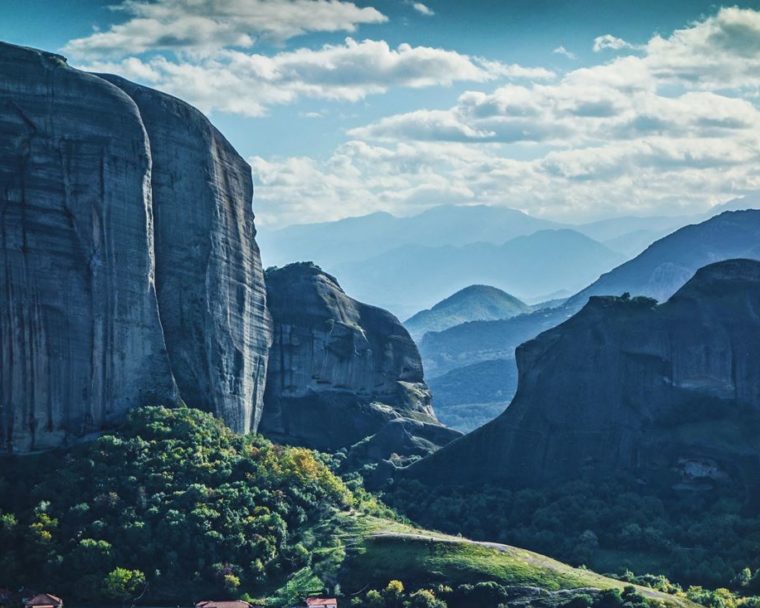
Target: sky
{"x":571,"y":110}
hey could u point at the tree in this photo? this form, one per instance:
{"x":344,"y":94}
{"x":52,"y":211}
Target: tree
{"x":123,"y":584}
{"x":394,"y":592}
{"x":425,"y":598}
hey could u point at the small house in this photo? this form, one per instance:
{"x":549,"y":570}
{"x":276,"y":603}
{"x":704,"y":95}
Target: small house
{"x":321,"y":602}
{"x":224,"y":604}
{"x":43,"y":600}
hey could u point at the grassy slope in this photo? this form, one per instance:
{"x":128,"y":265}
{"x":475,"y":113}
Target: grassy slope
{"x":379,"y":550}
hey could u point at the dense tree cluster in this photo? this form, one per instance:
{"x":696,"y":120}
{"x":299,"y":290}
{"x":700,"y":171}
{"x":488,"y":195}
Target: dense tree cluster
{"x":170,"y":506}
{"x":693,"y":539}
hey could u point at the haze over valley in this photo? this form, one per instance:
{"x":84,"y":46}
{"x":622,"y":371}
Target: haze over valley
{"x":326,"y":303}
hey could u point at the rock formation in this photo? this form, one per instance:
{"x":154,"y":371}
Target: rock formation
{"x":109,"y":195}
{"x":339,"y":370}
{"x":130,"y":275}
{"x":668,"y":393}
{"x":209,"y":280}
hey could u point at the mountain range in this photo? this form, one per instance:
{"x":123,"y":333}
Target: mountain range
{"x":657,"y":272}
{"x":473,"y":303}
{"x":371,"y":253}
{"x":668,"y":393}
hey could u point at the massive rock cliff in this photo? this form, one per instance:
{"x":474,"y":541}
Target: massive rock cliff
{"x":208,"y":270}
{"x":109,"y":195}
{"x":339,"y":370}
{"x":669,"y":393}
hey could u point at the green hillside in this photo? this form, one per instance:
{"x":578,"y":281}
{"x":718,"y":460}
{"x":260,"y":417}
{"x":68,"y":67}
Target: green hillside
{"x":172,"y":507}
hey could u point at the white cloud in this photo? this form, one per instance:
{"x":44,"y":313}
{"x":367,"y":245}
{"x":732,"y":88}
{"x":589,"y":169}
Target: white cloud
{"x":621,"y":99}
{"x":246,"y":84}
{"x":208,"y":25}
{"x":423,"y":9}
{"x":610,"y":42}
{"x":720,"y":52}
{"x":571,"y":113}
{"x":561,"y":50}
{"x":655,"y":175}
{"x":612,"y":138}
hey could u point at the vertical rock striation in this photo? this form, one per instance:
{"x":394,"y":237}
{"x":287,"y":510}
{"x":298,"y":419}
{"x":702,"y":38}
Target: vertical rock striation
{"x":129,"y":271}
{"x":80,"y":332}
{"x":208,"y":270}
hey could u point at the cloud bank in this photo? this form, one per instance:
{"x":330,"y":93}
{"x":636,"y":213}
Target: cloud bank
{"x":208,"y":25}
{"x":669,"y":126}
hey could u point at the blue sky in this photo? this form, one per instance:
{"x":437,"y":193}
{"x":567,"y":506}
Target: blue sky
{"x":572,"y":110}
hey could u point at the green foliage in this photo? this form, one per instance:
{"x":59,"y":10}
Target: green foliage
{"x":122,"y":584}
{"x":613,"y":526}
{"x":172,"y":494}
{"x":489,"y":594}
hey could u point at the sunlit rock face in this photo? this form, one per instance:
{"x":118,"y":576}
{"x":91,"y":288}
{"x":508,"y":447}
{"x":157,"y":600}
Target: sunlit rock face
{"x":339,"y":370}
{"x":669,"y":393}
{"x":208,"y":270}
{"x":128,"y":266}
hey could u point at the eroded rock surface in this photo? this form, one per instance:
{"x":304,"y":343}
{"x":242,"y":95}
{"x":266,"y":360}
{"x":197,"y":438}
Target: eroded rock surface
{"x":339,"y":370}
{"x":669,"y":393}
{"x":208,"y":270}
{"x":109,"y":194}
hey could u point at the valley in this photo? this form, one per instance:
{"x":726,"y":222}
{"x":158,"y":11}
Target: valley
{"x":463,"y":406}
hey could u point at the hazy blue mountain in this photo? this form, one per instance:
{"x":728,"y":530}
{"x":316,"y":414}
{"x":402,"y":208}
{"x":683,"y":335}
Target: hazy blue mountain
{"x":668,"y":263}
{"x":627,"y":386}
{"x":358,"y":238}
{"x":748,"y":201}
{"x":473,"y":303}
{"x":415,"y":277}
{"x":633,"y":243}
{"x":616,"y":227}
{"x":658,"y":272}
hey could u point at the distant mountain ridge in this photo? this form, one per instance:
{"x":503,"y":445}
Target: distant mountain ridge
{"x":473,"y":303}
{"x":330,"y":243}
{"x":669,"y":262}
{"x":668,"y":393}
{"x":415,"y":277}
{"x":658,"y":272}
{"x":345,"y":247}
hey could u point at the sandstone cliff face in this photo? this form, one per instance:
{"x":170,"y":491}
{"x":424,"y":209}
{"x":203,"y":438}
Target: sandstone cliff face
{"x":669,"y":393}
{"x":208,"y":270}
{"x":107,"y":197}
{"x":339,"y":370}
{"x":79,"y":325}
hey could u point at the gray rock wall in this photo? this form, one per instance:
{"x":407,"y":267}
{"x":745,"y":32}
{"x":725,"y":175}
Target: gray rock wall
{"x":339,"y":370}
{"x":208,"y":269}
{"x":630,"y":387}
{"x":128,"y":257}
{"x":80,"y":332}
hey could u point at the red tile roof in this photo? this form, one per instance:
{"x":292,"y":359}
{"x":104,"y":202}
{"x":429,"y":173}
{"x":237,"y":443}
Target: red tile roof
{"x":313,"y":602}
{"x":44,"y":599}
{"x":223,"y":604}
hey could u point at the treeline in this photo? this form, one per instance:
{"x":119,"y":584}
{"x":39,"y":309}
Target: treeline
{"x":711,"y":540}
{"x":172,"y":506}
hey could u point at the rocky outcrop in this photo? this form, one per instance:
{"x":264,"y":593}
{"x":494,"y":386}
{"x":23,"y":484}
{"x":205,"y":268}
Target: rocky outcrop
{"x":208,"y":269}
{"x":667,"y":393}
{"x":128,"y":266}
{"x":339,"y":370}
